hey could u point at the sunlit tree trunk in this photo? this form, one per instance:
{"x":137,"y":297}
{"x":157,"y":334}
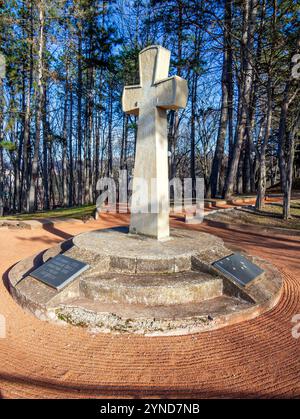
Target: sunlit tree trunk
{"x":226,"y":94}
{"x":289,"y":172}
{"x":249,"y":24}
{"x":262,"y":161}
{"x":31,"y":199}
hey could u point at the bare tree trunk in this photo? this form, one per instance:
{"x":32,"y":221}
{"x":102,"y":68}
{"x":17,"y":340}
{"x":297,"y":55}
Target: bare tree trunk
{"x":26,"y":130}
{"x":88,"y":137}
{"x":97,"y":149}
{"x":123,"y":158}
{"x":230,"y":77}
{"x":109,"y":139}
{"x":18,"y":187}
{"x":31,"y":200}
{"x":79,"y":120}
{"x":249,"y":24}
{"x":289,"y":175}
{"x":219,"y":151}
{"x":71,"y":167}
{"x":239,"y":175}
{"x":282,"y":135}
{"x":52,"y":175}
{"x":64,"y":148}
{"x":250,"y":156}
{"x":262,"y":161}
{"x":174,"y":126}
{"x":46,"y":130}
{"x":193,"y":132}
{"x":171,"y":142}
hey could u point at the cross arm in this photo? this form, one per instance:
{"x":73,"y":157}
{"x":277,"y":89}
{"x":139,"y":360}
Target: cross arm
{"x":172,"y":93}
{"x":130,"y":99}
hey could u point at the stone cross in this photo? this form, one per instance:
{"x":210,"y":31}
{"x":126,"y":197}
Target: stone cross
{"x":150,"y":101}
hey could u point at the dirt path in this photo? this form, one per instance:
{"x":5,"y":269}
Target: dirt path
{"x":257,"y":358}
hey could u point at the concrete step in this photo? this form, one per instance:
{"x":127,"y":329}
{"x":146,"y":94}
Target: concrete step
{"x":152,"y":289}
{"x":159,"y":319}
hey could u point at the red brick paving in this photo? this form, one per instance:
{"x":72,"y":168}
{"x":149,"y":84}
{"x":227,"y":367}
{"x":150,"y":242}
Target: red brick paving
{"x":258,"y":358}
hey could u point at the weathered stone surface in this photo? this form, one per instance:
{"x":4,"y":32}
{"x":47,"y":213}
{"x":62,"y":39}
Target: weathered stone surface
{"x":182,"y":264}
{"x":113,"y":300}
{"x":122,"y":264}
{"x":152,"y":265}
{"x":151,"y":99}
{"x":155,"y":289}
{"x":130,"y":253}
{"x":154,"y":320}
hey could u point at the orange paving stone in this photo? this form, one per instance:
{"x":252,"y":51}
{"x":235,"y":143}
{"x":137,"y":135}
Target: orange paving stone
{"x":258,"y":358}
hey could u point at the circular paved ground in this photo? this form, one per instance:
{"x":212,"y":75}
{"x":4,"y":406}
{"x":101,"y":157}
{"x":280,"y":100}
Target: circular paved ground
{"x":258,"y":358}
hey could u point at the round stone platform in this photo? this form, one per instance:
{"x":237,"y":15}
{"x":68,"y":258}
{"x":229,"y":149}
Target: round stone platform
{"x":140,"y":285}
{"x":130,"y":253}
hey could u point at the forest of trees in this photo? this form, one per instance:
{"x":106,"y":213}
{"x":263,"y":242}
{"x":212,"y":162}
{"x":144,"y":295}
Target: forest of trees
{"x":61,"y":122}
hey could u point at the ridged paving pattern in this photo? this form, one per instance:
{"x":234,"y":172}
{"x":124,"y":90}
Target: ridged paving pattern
{"x":257,"y":358}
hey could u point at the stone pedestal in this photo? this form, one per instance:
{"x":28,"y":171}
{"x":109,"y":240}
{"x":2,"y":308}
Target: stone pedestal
{"x":136,"y":284}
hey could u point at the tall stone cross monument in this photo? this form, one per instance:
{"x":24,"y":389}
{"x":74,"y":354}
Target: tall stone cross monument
{"x":150,"y":100}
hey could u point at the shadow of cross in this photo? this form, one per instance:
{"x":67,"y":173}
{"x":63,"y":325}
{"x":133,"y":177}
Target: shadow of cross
{"x":150,"y":101}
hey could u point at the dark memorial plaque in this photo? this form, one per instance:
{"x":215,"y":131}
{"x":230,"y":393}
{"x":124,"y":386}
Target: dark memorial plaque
{"x":59,"y":271}
{"x":239,"y":269}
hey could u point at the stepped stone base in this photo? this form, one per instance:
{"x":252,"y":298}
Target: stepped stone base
{"x":140,"y":285}
{"x":153,"y":289}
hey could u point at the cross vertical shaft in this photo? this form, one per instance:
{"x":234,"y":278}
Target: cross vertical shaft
{"x":150,"y":100}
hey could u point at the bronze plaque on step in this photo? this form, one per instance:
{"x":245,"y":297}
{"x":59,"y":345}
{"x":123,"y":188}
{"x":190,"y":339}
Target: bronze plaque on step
{"x":59,"y":271}
{"x":238,"y":269}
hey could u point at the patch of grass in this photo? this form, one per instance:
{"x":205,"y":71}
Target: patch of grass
{"x":73,"y":212}
{"x":270,"y":216}
{"x":67,"y":318}
{"x":276,"y":209}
